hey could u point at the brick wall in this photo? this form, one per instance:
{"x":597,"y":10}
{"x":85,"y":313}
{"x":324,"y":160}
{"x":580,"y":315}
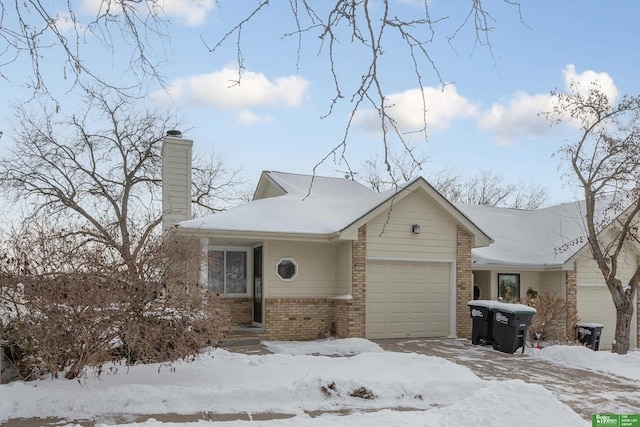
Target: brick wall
{"x":241,"y":310}
{"x":342,"y":315}
{"x":357,"y":312}
{"x":464,"y":287}
{"x":297,"y":318}
{"x":571,"y":296}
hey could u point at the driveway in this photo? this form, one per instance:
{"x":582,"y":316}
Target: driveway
{"x":584,"y":391}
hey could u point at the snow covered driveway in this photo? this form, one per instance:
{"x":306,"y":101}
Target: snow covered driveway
{"x":586,"y":381}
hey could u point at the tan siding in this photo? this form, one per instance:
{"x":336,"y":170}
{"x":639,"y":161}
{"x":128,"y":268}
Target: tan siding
{"x":595,"y":305}
{"x":437,"y":238}
{"x":343,"y":269}
{"x":316,"y":270}
{"x":271,"y":191}
{"x":540,"y":281}
{"x":589,"y":273}
{"x":594,"y":302}
{"x":553,"y":282}
{"x":176,"y":181}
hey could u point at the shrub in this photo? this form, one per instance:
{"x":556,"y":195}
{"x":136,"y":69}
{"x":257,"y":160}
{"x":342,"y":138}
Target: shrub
{"x":550,"y":321}
{"x":63,"y":322}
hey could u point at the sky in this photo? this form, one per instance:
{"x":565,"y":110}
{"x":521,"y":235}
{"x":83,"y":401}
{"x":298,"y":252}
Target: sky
{"x":486,"y":117}
{"x":301,"y":378}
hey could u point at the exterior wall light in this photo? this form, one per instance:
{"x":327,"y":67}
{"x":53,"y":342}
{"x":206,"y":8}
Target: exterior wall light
{"x":415,"y":229}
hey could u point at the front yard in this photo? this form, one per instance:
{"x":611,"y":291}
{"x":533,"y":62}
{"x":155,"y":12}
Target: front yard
{"x":340,"y":382}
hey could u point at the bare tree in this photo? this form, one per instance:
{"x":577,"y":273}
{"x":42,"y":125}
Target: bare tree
{"x":38,"y":31}
{"x":483,"y":188}
{"x":489,"y":189}
{"x":395,"y":169}
{"x":140,"y":31}
{"x":604,"y":159}
{"x":368,"y":27}
{"x":64,"y":318}
{"x":96,"y":176}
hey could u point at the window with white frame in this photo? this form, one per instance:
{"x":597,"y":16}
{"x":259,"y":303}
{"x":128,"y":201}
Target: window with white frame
{"x":227,"y":270}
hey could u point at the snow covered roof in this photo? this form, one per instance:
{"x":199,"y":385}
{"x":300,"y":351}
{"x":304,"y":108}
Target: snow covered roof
{"x":307,"y":205}
{"x":541,"y":238}
{"x":294,"y":204}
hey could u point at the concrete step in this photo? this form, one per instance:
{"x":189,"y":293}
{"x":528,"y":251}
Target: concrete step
{"x":241,"y":340}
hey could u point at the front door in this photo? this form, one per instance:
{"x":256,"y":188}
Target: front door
{"x":257,"y":285}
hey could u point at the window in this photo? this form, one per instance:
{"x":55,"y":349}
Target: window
{"x":287,"y":269}
{"x":509,"y":287}
{"x":227,"y":271}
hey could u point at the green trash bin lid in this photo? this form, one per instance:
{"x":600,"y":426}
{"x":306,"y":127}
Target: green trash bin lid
{"x":514,"y":308}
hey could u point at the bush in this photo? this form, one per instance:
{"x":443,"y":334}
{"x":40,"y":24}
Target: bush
{"x":66,"y":321}
{"x":550,"y":321}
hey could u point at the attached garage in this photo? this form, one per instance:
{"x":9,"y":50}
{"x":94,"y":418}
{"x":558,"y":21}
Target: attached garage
{"x":596,"y":306}
{"x":408,"y":299}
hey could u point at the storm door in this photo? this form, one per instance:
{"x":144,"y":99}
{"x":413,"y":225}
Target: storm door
{"x":257,"y":285}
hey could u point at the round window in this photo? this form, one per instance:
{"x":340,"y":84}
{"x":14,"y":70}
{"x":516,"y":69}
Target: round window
{"x":287,"y":269}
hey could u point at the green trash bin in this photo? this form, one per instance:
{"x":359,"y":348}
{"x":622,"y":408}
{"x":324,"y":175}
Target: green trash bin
{"x":510,"y":324}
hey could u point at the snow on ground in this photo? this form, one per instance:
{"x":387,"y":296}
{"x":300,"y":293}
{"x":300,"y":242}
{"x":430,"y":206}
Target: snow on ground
{"x":400,"y":389}
{"x":625,"y":366}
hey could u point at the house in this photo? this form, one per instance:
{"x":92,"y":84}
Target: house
{"x":546,"y":250}
{"x":315,"y":255}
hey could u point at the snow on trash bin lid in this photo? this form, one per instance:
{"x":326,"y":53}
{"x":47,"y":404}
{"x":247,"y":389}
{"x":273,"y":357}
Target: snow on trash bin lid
{"x":589,"y":325}
{"x":482,"y":303}
{"x":503,"y":306}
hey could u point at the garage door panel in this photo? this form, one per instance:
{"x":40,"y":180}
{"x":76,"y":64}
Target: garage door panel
{"x":408,"y":299}
{"x":596,"y":306}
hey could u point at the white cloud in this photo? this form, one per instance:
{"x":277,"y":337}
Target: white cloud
{"x":249,"y":118}
{"x":443,"y":106}
{"x":217,"y":89}
{"x":585,"y":79}
{"x":191,"y":13}
{"x":520,"y":118}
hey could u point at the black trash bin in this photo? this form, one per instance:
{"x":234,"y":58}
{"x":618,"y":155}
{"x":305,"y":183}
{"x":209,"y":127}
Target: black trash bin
{"x":589,"y":334}
{"x":482,"y":321}
{"x":510,"y":324}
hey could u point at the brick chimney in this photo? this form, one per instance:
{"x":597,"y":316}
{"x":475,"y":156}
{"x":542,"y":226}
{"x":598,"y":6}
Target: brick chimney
{"x":176,"y":179}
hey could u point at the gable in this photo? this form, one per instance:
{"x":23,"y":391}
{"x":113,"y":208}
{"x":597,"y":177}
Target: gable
{"x":422,"y":188}
{"x":390,"y":235}
{"x":267,"y":188}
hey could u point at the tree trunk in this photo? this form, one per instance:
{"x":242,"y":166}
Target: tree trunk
{"x":624,"y":313}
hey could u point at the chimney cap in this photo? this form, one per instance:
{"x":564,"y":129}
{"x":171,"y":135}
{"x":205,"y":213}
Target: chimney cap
{"x":174,"y":133}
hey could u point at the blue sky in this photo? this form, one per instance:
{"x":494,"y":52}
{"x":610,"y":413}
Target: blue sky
{"x":485,"y":119}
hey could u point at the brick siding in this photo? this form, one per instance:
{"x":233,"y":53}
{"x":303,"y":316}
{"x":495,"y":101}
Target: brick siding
{"x":297,"y":318}
{"x":464,"y":287}
{"x":357,"y":312}
{"x":241,"y":310}
{"x":571,"y":297}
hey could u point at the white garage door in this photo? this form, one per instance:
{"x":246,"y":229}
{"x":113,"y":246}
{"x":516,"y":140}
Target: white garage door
{"x":596,"y":306}
{"x":408,"y":299}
